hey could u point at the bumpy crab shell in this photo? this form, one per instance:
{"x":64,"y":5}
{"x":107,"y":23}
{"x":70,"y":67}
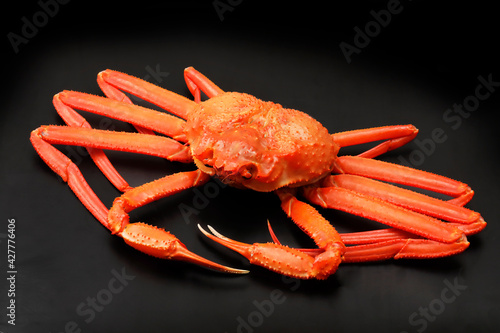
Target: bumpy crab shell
{"x":259,"y":145}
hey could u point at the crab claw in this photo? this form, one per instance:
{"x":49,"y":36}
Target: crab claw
{"x":281,"y":259}
{"x":273,"y":235}
{"x":162,"y":244}
{"x":311,"y":252}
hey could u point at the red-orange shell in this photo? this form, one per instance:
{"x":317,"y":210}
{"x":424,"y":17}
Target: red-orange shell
{"x":258,"y":145}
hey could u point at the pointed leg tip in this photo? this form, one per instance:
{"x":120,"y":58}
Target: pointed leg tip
{"x":206,"y":233}
{"x":104,"y":72}
{"x":271,"y":232}
{"x":231,"y":270}
{"x":216,"y":233}
{"x":238,"y":271}
{"x":219,"y":236}
{"x":242,"y":248}
{"x":226,"y":269}
{"x":213,"y":232}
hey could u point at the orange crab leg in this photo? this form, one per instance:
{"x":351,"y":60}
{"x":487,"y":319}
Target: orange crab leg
{"x":138,"y":116}
{"x":401,"y":175}
{"x":69,"y":172}
{"x":152,"y":240}
{"x":114,"y":93}
{"x":110,"y":81}
{"x":123,"y":141}
{"x":118,"y":217}
{"x":389,"y":234}
{"x":405,"y":198}
{"x":395,"y":136}
{"x":309,"y":220}
{"x":275,"y":257}
{"x":147,"y":118}
{"x":288,"y":261}
{"x":381,"y":235}
{"x":73,"y":119}
{"x":383,"y":212}
{"x":397,"y":248}
{"x":43,"y":137}
{"x":146,"y":238}
{"x":197,"y":81}
{"x":375,"y":236}
{"x":404,"y":248}
{"x":388,"y":244}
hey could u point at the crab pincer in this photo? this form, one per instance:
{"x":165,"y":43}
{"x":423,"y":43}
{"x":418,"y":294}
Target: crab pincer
{"x":282,"y":259}
{"x":162,"y":244}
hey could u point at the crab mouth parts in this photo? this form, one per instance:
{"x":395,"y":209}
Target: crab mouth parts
{"x":245,"y":172}
{"x":205,"y":168}
{"x":237,"y":177}
{"x":257,"y":177}
{"x":249,"y":175}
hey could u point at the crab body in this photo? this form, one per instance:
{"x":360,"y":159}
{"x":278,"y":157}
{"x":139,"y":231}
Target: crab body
{"x":259,"y":145}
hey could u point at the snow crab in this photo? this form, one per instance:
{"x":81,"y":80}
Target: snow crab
{"x":253,"y":144}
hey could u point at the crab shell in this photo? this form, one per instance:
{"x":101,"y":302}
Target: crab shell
{"x":250,"y":143}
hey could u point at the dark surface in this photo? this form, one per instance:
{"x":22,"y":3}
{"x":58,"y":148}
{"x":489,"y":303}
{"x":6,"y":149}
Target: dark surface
{"x":424,"y":61}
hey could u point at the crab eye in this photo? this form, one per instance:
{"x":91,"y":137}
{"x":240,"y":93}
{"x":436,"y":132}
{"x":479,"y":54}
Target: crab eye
{"x":247,"y":171}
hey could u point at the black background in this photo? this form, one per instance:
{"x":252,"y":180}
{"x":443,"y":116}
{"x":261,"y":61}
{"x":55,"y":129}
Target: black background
{"x":426,"y":59}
